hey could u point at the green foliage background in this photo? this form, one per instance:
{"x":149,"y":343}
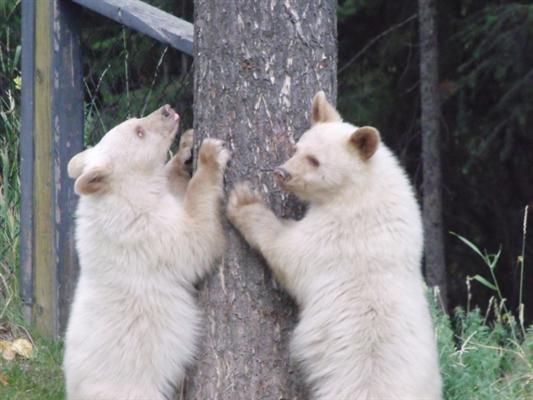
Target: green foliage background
{"x":486,"y":89}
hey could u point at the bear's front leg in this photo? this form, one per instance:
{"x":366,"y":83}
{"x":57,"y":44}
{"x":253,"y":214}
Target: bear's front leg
{"x":202,"y":202}
{"x":259,"y":227}
{"x":177,"y":172}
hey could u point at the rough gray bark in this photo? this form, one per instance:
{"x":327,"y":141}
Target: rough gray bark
{"x":257,"y":66}
{"x":435,"y":265}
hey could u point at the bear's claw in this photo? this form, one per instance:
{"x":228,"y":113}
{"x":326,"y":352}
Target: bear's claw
{"x":214,"y":154}
{"x":241,"y":196}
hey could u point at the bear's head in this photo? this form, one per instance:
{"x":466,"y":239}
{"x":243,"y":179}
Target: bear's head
{"x":330,"y":158}
{"x":136,"y":147}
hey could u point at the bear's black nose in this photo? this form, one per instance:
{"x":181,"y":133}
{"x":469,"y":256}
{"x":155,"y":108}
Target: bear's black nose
{"x":165,"y":110}
{"x":281,"y":174}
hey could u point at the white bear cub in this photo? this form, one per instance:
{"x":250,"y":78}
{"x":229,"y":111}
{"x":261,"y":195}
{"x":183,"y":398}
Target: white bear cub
{"x":145,"y":235}
{"x":352,"y":264}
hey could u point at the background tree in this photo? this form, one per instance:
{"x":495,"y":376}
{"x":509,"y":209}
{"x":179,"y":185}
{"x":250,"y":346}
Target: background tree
{"x":435,"y":264}
{"x":257,"y":66}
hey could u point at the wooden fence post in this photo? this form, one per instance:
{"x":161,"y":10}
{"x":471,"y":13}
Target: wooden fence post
{"x":56,"y":133}
{"x":26,"y":157}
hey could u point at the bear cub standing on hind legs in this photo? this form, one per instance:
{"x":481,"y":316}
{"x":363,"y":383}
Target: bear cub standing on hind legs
{"x":145,"y":235}
{"x":352,"y":264}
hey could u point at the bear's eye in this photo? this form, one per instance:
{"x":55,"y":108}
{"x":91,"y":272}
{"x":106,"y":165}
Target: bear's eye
{"x":313,"y":161}
{"x":139,"y":131}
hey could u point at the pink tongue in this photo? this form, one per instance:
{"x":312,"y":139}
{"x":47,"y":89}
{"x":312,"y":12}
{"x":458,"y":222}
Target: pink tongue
{"x":176,"y":116}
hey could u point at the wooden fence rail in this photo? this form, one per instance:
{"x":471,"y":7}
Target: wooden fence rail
{"x":147,"y":19}
{"x":52,"y":132}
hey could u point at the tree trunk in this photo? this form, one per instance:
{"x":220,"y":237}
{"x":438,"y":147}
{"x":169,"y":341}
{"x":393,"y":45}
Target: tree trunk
{"x":257,"y":66}
{"x":435,"y":265}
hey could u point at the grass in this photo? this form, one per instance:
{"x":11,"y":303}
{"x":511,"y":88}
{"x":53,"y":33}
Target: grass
{"x":481,"y":360}
{"x":486,"y":356}
{"x":37,"y":378}
{"x":9,"y":165}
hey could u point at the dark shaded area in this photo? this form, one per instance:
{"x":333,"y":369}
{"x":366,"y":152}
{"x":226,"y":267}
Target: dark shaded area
{"x":486,"y":87}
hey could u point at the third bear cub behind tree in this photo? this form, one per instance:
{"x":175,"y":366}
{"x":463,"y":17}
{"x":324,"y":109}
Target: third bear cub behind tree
{"x":352,"y":264}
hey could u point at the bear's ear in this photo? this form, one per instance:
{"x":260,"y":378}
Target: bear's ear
{"x":94,"y":180}
{"x":77,"y":163}
{"x":366,"y":140}
{"x":322,"y":110}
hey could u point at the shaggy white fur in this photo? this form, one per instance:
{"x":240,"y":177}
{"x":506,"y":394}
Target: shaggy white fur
{"x":352,"y":264}
{"x":134,"y":323}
